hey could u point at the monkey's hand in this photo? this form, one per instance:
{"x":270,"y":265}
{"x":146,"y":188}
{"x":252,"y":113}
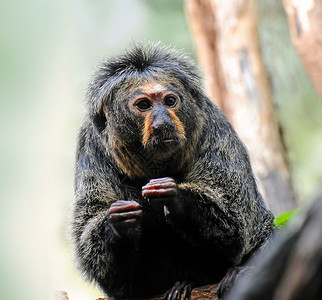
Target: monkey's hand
{"x":162,"y":192}
{"x":125,"y":217}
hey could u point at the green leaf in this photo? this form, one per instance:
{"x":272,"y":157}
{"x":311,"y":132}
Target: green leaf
{"x":284,"y":218}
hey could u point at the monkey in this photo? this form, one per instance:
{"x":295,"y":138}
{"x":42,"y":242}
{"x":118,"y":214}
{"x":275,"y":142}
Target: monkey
{"x":166,"y":199}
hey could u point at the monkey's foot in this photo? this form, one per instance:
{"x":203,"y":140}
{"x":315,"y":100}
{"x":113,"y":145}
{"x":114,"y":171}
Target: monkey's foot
{"x":230,"y":278}
{"x":180,"y":290}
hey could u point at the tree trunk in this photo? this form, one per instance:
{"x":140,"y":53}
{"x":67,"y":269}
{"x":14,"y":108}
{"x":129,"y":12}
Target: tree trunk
{"x":227,"y":46}
{"x":305,"y":20}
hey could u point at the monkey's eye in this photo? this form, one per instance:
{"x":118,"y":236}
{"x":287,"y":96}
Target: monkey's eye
{"x":143,"y":104}
{"x":170,"y":101}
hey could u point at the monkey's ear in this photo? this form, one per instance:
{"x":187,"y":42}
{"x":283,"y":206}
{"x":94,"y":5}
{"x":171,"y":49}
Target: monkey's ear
{"x":99,"y":120}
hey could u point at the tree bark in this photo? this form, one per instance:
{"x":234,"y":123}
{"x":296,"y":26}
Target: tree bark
{"x":305,"y":21}
{"x":205,"y":292}
{"x":227,"y":46}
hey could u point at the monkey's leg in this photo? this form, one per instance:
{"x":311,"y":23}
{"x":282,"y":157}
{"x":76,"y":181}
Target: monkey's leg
{"x":125,"y":217}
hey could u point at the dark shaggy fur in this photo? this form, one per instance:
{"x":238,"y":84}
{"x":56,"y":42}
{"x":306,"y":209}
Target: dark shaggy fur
{"x":223,"y":220}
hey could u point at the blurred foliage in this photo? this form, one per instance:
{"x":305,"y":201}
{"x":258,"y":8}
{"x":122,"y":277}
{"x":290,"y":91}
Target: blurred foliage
{"x":166,"y":5}
{"x":48,"y":52}
{"x":168,"y":23}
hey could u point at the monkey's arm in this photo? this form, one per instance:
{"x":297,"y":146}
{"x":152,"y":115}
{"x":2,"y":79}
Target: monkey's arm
{"x":101,"y":230}
{"x":206,"y":216}
{"x":232,"y":218}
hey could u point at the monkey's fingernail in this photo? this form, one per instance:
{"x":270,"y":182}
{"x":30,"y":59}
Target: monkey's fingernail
{"x":166,"y":211}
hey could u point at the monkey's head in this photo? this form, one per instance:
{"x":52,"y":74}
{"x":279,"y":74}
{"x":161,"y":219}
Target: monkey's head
{"x":147,"y":108}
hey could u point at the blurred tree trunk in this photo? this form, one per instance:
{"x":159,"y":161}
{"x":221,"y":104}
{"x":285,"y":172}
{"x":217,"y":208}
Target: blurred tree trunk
{"x":227,"y":46}
{"x":291,"y":267}
{"x":305,"y":20}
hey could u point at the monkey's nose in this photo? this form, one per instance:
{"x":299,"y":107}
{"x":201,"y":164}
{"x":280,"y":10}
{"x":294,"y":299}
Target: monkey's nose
{"x":162,"y":126}
{"x":161,"y":120}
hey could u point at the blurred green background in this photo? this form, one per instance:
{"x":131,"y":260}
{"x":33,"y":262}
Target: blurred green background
{"x":49,"y":50}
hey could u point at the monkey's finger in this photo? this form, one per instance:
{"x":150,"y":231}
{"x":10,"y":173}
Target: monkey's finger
{"x":124,"y":202}
{"x":160,"y":180}
{"x":123,"y":223}
{"x":125,"y":215}
{"x":123,"y":210}
{"x":169,"y":294}
{"x":127,"y":222}
{"x":159,"y":193}
{"x":128,"y":206}
{"x":119,"y":202}
{"x":187,"y":290}
{"x":162,"y":185}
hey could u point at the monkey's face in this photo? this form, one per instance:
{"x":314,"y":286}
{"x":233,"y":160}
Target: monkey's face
{"x":152,"y":123}
{"x":156,"y":107}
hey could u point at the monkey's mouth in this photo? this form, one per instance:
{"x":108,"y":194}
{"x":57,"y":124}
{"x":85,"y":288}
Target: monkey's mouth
{"x":164,"y":144}
{"x":170,"y":141}
{"x":164,"y":147}
{"x":167,"y":141}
